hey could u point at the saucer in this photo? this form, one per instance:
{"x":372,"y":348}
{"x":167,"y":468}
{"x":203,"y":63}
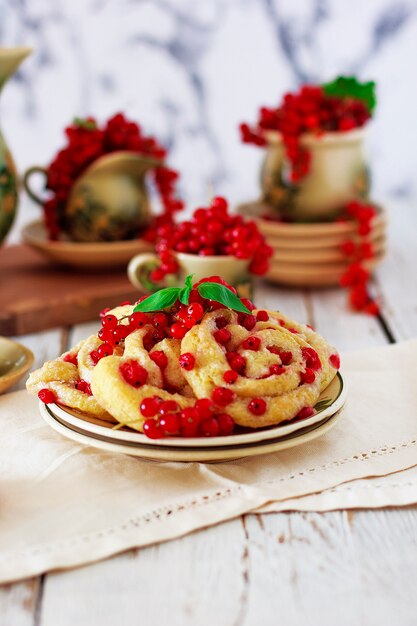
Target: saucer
{"x":95,"y":255}
{"x":15,"y":361}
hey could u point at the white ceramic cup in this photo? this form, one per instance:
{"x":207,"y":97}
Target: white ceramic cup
{"x":232,"y":270}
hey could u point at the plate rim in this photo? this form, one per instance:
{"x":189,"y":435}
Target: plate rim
{"x":212,"y":442}
{"x":161,"y":453}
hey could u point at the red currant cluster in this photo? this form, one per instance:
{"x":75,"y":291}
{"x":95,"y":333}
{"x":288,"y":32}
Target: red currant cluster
{"x":212,"y":231}
{"x":165,"y":418}
{"x":86,"y":142}
{"x":172,"y":323}
{"x":310,"y":110}
{"x":356,"y":276}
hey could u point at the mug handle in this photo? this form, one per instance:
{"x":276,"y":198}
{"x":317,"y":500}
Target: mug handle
{"x":139,"y":269}
{"x":36,"y":169}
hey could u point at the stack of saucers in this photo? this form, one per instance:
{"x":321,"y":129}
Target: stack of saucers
{"x":310,"y":254}
{"x":100,"y":434}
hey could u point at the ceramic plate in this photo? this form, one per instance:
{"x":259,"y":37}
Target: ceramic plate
{"x":155,"y":452}
{"x":93,"y":255}
{"x":15,"y":361}
{"x":331,"y":401}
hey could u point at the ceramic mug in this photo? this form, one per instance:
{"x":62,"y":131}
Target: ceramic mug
{"x":232,"y":270}
{"x":338,"y":173}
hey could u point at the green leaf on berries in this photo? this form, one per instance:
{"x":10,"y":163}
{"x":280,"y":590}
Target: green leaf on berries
{"x":350,"y":87}
{"x":184,"y":295}
{"x":162,"y":299}
{"x":83,"y":123}
{"x":220,"y":293}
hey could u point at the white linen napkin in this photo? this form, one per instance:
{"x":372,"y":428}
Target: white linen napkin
{"x":64,"y":505}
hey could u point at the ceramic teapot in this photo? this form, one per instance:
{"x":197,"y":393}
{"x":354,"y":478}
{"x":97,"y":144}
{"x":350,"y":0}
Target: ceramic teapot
{"x":108,"y":202}
{"x":10,"y":59}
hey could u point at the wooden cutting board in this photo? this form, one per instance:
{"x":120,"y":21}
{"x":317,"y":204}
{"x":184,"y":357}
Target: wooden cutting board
{"x":35,"y":295}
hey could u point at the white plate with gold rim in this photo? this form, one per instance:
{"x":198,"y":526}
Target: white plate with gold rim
{"x":331,"y":400}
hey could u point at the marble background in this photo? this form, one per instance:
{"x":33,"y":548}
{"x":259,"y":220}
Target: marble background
{"x":189,"y":71}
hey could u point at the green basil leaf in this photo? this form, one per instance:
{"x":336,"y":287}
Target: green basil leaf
{"x":161,"y":299}
{"x":220,"y":293}
{"x":189,"y":281}
{"x":350,"y":87}
{"x":184,"y":295}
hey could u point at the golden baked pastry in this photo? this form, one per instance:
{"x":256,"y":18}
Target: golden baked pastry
{"x":196,"y":361}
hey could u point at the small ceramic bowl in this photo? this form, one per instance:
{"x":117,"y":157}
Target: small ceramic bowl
{"x":15,"y":361}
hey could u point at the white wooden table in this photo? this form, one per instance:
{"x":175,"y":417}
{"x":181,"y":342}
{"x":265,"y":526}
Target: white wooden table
{"x":333,"y":569}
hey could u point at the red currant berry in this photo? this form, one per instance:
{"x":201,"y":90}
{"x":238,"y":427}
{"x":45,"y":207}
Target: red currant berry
{"x":177,"y":330}
{"x":47,"y":396}
{"x":247,"y":321}
{"x":152,"y":430}
{"x":157,"y":275}
{"x":221,"y":321}
{"x":209,"y":427}
{"x":94,"y":356}
{"x":247,"y":303}
{"x":230,"y":377}
{"x":160,"y":320}
{"x":204,"y":408}
{"x":276,"y":370}
{"x":311,"y":358}
{"x":187,"y":361}
{"x":160,"y":358}
{"x":252,"y":343}
{"x":219,"y":203}
{"x":168,"y":406}
{"x":308,"y":377}
{"x":335,"y":361}
{"x":257,"y":406}
{"x":226,"y":424}
{"x":138,"y":320}
{"x":119,"y":334}
{"x":262,"y":316}
{"x":149,"y":407}
{"x":84,"y":387}
{"x":170,"y":424}
{"x":109,"y":321}
{"x":222,"y":336}
{"x":223,"y":396}
{"x":104,"y":350}
{"x":237,"y":363}
{"x":133,"y":373}
{"x":71,"y":358}
{"x":195,"y":311}
{"x":189,"y":422}
{"x":305,"y":412}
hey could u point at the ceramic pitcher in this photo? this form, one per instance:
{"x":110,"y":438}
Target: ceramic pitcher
{"x":108,"y":202}
{"x":338,"y":174}
{"x":10,"y":59}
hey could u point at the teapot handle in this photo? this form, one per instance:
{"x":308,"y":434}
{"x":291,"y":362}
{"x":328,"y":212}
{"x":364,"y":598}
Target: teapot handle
{"x":35,"y":169}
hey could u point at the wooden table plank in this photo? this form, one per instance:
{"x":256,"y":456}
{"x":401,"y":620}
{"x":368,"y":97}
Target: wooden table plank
{"x":196,"y":580}
{"x":334,"y":568}
{"x":19,"y":603}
